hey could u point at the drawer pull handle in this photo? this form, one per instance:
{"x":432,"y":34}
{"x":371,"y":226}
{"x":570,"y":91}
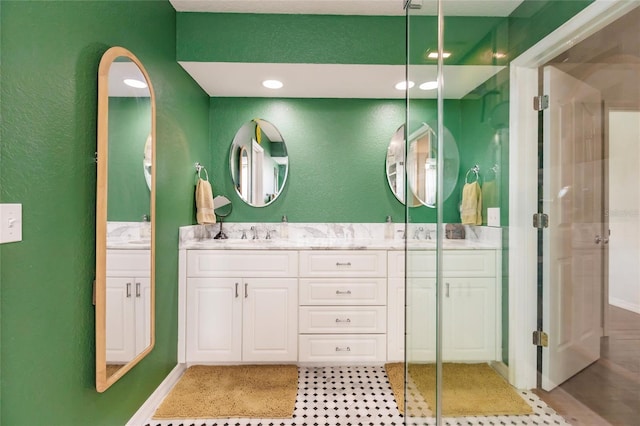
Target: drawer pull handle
{"x":236,"y":290}
{"x":128,"y":289}
{"x":137,"y":289}
{"x":338,"y":292}
{"x":447,"y":289}
{"x":246,"y":290}
{"x":338,"y":320}
{"x":343,"y":263}
{"x":345,"y":349}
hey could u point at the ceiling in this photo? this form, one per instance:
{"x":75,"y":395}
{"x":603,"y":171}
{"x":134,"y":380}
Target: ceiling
{"x":349,"y":7}
{"x":337,"y":80}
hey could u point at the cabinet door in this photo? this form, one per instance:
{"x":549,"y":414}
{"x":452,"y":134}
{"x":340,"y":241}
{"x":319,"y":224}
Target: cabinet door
{"x":418,"y":339}
{"x":120,"y":330}
{"x":469,"y":331}
{"x":214,"y":320}
{"x":142,"y":293}
{"x":270,"y":319}
{"x":395,"y":319}
{"x":421,"y":320}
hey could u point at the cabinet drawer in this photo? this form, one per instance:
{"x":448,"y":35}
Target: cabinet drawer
{"x":241,"y":263}
{"x":343,"y":263}
{"x":456,"y":263}
{"x":342,"y":348}
{"x":343,"y":291}
{"x":128,"y":263}
{"x":343,"y":319}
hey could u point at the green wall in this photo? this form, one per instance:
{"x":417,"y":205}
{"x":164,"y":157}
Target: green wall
{"x":129,"y":126}
{"x":50,"y":55}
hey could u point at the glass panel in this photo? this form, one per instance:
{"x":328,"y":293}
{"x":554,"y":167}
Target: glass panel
{"x":589,"y":297}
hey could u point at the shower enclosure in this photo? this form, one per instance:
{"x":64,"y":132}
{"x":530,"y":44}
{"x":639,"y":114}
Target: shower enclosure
{"x":522,"y":123}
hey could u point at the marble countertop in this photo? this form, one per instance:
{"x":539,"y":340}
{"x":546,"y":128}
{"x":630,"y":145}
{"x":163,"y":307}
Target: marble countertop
{"x":333,"y":244}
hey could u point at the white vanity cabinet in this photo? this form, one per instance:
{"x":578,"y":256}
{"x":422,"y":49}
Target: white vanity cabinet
{"x":343,"y":306}
{"x":128,"y":304}
{"x":241,"y":306}
{"x":471,"y":299}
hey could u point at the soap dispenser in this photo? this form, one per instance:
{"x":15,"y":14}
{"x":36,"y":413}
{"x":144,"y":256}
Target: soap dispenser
{"x":388,"y":229}
{"x":145,"y":228}
{"x":284,"y":228}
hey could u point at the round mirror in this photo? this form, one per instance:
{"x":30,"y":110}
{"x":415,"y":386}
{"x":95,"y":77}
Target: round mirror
{"x":420,"y":167}
{"x":258,"y":162}
{"x":222,"y":208}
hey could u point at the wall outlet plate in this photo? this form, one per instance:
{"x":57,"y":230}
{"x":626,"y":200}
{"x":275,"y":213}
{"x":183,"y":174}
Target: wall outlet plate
{"x":493,"y":216}
{"x":10,"y":223}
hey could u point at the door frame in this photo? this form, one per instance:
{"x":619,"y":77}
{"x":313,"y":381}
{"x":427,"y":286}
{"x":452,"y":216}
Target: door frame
{"x":523,"y":179}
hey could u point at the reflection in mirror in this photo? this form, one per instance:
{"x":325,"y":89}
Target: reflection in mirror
{"x":258,"y":162}
{"x":421,"y":165}
{"x":125,"y":206}
{"x":222,"y":208}
{"x":395,"y":165}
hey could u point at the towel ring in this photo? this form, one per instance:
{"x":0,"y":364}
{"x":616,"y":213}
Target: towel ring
{"x":475,"y":170}
{"x":199,"y":168}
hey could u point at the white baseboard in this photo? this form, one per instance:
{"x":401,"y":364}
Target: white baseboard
{"x":147,"y":409}
{"x":624,"y":305}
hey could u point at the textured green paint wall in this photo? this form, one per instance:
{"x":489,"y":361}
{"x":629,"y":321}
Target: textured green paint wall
{"x":337,"y":150}
{"x":50,"y":56}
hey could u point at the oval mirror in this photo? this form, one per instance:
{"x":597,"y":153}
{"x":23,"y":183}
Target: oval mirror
{"x":258,"y":162}
{"x":420,"y":167}
{"x":125,"y":212}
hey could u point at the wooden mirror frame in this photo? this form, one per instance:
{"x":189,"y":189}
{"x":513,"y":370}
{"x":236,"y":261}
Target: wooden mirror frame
{"x":103,"y":380}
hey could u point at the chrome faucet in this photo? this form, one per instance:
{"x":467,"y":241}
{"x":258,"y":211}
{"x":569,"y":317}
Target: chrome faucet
{"x":255,"y":233}
{"x":244,"y":234}
{"x":428,"y":234}
{"x":268,"y":237}
{"x":416,"y":234}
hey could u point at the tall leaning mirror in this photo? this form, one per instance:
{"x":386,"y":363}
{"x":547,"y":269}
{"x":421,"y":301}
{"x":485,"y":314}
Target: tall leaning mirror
{"x":125,"y":216}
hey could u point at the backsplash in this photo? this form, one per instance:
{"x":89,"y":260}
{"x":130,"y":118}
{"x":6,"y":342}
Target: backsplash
{"x":332,"y":231}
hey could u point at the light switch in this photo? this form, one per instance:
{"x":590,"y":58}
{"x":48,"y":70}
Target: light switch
{"x":10,"y":223}
{"x":493,"y":216}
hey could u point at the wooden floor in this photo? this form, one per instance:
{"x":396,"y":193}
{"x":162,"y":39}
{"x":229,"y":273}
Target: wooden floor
{"x":608,"y":391}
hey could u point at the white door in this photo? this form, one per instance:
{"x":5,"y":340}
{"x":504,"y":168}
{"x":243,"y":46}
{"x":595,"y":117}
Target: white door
{"x":572,"y":244}
{"x":270,"y":319}
{"x":214,"y":320}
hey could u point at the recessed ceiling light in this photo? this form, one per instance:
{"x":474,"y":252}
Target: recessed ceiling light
{"x":429,"y":85}
{"x":434,"y":55}
{"x":403,"y":85}
{"x":132,"y":82}
{"x":272,"y":84}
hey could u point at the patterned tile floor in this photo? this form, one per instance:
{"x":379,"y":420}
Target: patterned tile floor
{"x":361,"y":396}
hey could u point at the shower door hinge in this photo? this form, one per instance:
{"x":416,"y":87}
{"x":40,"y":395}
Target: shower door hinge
{"x":540,"y":338}
{"x":540,"y":220}
{"x":540,"y":102}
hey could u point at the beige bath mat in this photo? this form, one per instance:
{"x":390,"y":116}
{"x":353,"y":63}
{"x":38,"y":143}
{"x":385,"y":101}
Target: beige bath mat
{"x":246,"y":391}
{"x":468,"y":389}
